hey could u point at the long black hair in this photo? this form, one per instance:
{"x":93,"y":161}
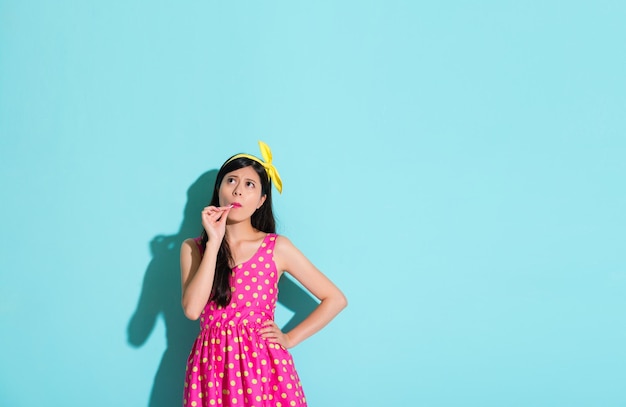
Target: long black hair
{"x":262,"y":219}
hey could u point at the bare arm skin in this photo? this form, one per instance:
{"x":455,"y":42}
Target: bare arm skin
{"x":197,"y":271}
{"x":288,"y":258}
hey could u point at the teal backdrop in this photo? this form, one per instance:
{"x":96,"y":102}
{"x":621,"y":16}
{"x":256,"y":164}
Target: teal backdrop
{"x":457,"y":168}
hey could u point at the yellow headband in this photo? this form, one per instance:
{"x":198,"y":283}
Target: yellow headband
{"x":266,"y":153}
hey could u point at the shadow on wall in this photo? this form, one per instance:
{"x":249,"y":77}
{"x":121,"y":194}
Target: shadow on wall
{"x":160,"y":296}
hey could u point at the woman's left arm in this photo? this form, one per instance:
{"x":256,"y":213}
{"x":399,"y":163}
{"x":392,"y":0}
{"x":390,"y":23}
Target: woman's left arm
{"x":288,"y":258}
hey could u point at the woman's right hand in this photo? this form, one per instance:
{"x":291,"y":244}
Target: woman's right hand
{"x":214,"y":222}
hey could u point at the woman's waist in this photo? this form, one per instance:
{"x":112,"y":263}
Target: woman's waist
{"x":252,"y":317}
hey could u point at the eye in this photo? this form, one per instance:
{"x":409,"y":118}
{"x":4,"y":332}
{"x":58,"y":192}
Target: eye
{"x":230,"y":180}
{"x":250,"y":184}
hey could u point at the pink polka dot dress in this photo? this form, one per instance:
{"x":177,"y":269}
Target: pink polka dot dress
{"x":230,"y":364}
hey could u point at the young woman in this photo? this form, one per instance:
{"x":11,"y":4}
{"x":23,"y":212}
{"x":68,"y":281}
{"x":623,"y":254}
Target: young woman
{"x":230,"y":282}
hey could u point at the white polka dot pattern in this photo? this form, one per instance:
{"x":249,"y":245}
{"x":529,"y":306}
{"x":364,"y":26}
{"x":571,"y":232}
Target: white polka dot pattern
{"x":230,"y":364}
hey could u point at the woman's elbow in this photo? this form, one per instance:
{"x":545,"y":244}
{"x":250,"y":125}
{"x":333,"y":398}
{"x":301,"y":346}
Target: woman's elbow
{"x":192,"y":316}
{"x":191,"y":313}
{"x":340,"y":301}
{"x":343,"y":301}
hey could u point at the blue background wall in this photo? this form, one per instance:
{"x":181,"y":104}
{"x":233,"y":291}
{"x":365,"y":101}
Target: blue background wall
{"x":456,"y":168}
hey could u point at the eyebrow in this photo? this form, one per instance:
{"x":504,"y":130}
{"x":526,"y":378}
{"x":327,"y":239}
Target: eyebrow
{"x":245,"y":179}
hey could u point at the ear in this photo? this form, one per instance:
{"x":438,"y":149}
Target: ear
{"x":261,"y":201}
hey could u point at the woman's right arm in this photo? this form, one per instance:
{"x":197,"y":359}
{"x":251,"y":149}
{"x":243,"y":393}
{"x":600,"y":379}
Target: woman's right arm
{"x":197,"y":273}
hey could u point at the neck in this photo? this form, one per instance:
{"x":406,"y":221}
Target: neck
{"x":239,"y":231}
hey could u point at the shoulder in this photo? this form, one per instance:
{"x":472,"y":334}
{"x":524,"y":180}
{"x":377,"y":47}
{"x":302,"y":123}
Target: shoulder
{"x":192,"y":241}
{"x":285,"y":249}
{"x":282,"y":242}
{"x":290,"y":259}
{"x":192,"y":245}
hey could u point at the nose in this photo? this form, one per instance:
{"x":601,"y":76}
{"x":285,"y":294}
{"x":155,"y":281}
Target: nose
{"x":236,"y":190}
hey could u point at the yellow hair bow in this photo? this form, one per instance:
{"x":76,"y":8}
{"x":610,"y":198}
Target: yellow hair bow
{"x":266,"y":162}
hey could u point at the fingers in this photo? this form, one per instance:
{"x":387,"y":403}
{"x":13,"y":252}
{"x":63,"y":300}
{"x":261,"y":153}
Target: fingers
{"x":211,"y":210}
{"x":215,"y":213}
{"x":270,"y":331}
{"x":214,"y":221}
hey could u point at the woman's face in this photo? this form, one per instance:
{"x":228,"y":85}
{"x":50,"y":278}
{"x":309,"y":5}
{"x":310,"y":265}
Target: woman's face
{"x":241,"y":188}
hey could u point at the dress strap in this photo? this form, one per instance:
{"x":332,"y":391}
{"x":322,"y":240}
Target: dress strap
{"x":270,"y":241}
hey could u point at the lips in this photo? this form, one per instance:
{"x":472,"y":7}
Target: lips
{"x":235,"y":205}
